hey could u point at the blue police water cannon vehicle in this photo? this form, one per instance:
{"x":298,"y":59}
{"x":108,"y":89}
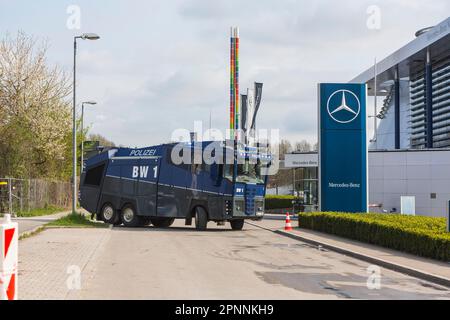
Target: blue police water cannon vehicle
{"x":156,"y":185}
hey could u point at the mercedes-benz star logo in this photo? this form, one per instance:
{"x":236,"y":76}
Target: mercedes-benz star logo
{"x":338,"y":106}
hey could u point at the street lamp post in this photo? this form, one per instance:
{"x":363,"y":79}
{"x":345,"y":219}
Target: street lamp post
{"x":82,"y":128}
{"x":85,"y":36}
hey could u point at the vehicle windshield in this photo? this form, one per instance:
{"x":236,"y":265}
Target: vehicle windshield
{"x":249,"y":172}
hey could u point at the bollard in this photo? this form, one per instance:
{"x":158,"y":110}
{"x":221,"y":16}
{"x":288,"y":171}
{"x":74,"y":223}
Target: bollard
{"x":288,"y":226}
{"x":9,"y":235}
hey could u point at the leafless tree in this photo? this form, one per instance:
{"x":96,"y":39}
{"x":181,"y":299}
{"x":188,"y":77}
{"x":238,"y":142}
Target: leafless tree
{"x":102,"y":140}
{"x":303,"y":146}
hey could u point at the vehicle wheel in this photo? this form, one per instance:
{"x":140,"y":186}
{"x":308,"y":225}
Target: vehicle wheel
{"x":129,"y":217}
{"x":237,"y":224}
{"x":162,"y":222}
{"x":201,"y":218}
{"x":109,"y":214}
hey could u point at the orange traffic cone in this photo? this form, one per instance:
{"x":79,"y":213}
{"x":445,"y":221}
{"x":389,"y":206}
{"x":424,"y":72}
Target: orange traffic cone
{"x":288,"y":226}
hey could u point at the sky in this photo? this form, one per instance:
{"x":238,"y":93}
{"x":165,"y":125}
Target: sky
{"x":161,"y":65}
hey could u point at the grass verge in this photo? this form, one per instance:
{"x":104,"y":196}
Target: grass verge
{"x":47,"y":210}
{"x":70,"y":221}
{"x":76,"y":220}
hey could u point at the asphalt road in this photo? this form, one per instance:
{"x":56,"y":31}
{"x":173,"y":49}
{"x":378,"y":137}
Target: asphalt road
{"x":182,"y":263}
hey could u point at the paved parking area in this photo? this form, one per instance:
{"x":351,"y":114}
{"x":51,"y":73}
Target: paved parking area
{"x":50,"y":262}
{"x":182,"y":263}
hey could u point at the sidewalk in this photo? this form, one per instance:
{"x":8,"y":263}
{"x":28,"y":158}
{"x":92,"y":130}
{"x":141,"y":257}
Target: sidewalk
{"x":52,"y":265}
{"x":428,"y":269}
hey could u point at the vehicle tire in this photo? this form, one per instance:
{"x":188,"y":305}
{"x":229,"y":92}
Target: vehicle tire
{"x":237,"y":224}
{"x":201,"y":218}
{"x":129,"y":217}
{"x":162,"y":222}
{"x":109,"y":215}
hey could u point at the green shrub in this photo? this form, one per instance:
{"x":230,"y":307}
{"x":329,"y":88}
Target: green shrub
{"x":423,"y":236}
{"x":278,"y":202}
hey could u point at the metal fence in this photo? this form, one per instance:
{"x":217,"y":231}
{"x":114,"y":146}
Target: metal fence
{"x":21,"y":195}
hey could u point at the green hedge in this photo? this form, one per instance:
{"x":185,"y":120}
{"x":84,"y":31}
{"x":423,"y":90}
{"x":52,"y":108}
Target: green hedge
{"x":423,"y":236}
{"x":278,"y":202}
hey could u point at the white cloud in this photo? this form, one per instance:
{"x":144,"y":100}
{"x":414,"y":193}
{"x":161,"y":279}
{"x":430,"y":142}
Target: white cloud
{"x":162,"y":65}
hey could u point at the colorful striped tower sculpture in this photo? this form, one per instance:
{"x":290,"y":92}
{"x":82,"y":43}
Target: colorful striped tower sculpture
{"x":234,"y":82}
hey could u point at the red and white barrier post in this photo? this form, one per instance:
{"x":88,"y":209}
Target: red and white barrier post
{"x":288,"y":226}
{"x":9,"y":236}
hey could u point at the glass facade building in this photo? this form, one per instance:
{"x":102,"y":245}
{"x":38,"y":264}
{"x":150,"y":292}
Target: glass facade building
{"x":414,"y":85}
{"x":441,"y":104}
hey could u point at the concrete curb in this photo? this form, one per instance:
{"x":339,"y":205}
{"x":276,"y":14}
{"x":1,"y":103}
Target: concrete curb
{"x":36,"y":229}
{"x":28,"y":233}
{"x":380,"y":262}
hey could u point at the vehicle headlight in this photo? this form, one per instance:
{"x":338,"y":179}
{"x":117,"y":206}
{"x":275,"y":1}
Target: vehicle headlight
{"x":259,"y":205}
{"x":239,"y":205}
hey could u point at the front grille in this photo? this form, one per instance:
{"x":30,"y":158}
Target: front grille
{"x":250,"y":194}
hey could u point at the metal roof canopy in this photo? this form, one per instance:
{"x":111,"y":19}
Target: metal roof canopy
{"x":408,"y":57}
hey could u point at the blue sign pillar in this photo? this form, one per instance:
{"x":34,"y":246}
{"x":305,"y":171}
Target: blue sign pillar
{"x":342,"y":147}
